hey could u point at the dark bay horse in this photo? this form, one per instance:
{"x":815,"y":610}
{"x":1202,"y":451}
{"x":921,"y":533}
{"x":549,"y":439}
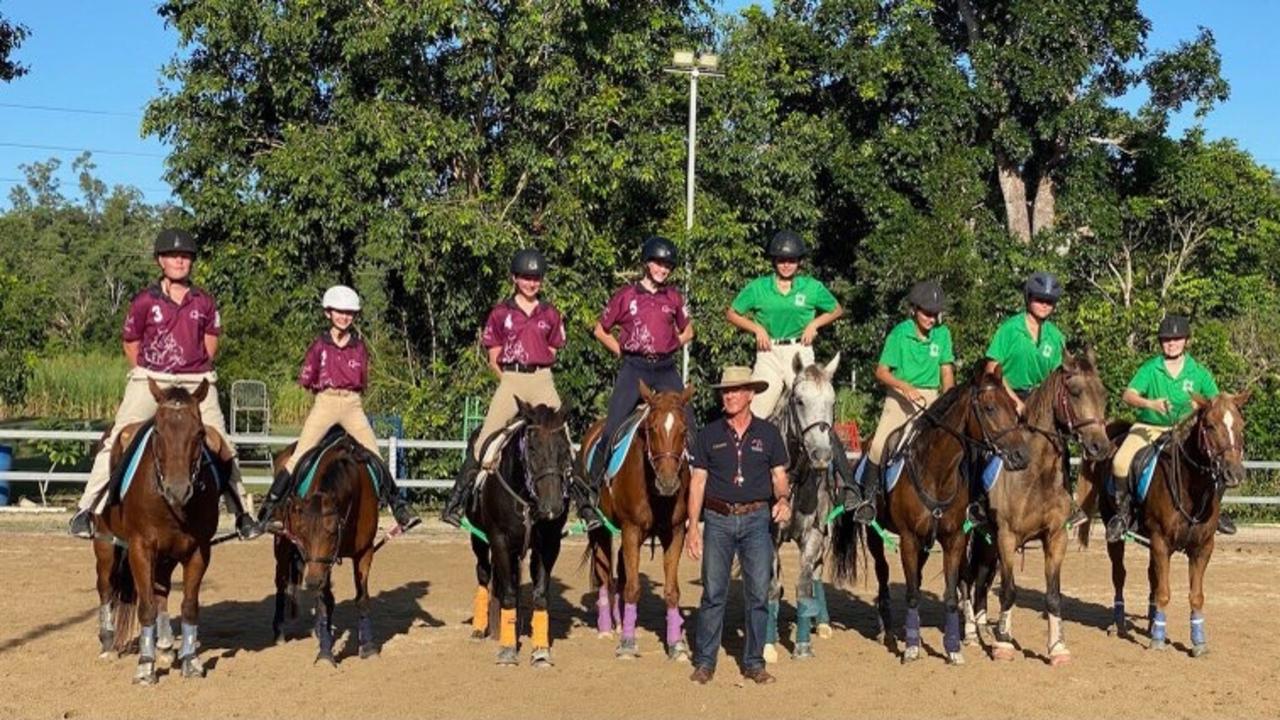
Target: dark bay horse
{"x":929,"y":500}
{"x":334,"y":517}
{"x":804,"y":415}
{"x":522,"y":508}
{"x":168,"y":517}
{"x":648,"y":498}
{"x":1204,"y":455}
{"x":1033,"y":503}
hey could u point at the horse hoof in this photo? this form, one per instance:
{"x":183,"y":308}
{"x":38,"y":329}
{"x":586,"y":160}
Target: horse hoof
{"x":1118,"y":631}
{"x":107,"y":655}
{"x":1199,"y":650}
{"x":970,"y":639}
{"x":955,"y":658}
{"x":1158,"y":645}
{"x":146,"y":674}
{"x":368,"y":651}
{"x":508,"y":656}
{"x":327,"y":658}
{"x":679,"y":652}
{"x":627,"y":649}
{"x":911,"y":654}
{"x":478,"y":635}
{"x":541,"y":658}
{"x":1060,"y":659}
{"x":192,"y":667}
{"x":803,"y":651}
{"x":770,"y":653}
{"x":1003,"y":651}
{"x":824,"y":631}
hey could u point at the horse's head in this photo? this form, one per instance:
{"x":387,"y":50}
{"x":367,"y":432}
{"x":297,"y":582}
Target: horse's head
{"x":548,"y":457}
{"x":1219,"y":429}
{"x":178,"y":440}
{"x":994,"y":419}
{"x":316,"y":524}
{"x":665,"y":434}
{"x":811,"y":408}
{"x":1080,"y":404}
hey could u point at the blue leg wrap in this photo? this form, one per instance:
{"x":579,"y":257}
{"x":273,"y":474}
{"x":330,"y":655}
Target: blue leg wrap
{"x":1157,"y":626}
{"x":951,"y":634}
{"x":820,"y":596}
{"x":1117,"y":612}
{"x":913,"y":626}
{"x":1197,"y":628}
{"x":147,"y":644}
{"x":771,"y":625}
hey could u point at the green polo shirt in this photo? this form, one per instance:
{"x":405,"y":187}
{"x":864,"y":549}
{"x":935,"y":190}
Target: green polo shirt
{"x":784,"y":316}
{"x":915,"y":360}
{"x":1025,"y":362}
{"x":1153,"y":382}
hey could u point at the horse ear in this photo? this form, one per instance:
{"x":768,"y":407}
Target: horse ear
{"x":156,"y":392}
{"x":797,"y":365}
{"x":1068,"y":360}
{"x":995,"y":370}
{"x":1242,"y":399}
{"x":646,"y":394}
{"x":202,"y":391}
{"x":523,"y":408}
{"x":687,"y":395}
{"x":1200,"y":401}
{"x":830,"y":369}
{"x":1090,"y":356}
{"x":562,"y":414}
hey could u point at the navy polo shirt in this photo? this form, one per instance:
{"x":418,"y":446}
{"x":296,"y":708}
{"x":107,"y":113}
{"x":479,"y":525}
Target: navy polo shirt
{"x":739,"y":470}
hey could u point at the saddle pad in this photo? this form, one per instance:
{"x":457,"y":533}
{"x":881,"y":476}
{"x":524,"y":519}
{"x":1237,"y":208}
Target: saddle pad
{"x":621,"y":442}
{"x":1146,"y":459}
{"x":492,"y":446}
{"x":991,"y":473}
{"x":133,"y":456}
{"x":307,"y":466}
{"x":892,"y":473}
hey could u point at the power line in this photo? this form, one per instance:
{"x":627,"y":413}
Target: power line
{"x":63,"y":148}
{"x":78,"y":111}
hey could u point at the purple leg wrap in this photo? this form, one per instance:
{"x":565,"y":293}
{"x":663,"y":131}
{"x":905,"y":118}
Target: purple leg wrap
{"x":675,"y":627}
{"x":913,"y":627}
{"x":604,"y":615}
{"x":951,"y":634}
{"x":629,"y":621}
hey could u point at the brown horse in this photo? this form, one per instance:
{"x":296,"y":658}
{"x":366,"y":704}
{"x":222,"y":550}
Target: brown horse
{"x":1033,"y":503}
{"x":168,"y":517}
{"x":928,"y":502}
{"x":1204,"y":455}
{"x":331,"y":517}
{"x":648,"y":498}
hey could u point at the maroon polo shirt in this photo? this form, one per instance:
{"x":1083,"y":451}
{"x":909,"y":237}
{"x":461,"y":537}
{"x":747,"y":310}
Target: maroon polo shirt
{"x":649,"y":322}
{"x":328,"y":366}
{"x":171,"y":335}
{"x":527,"y":339}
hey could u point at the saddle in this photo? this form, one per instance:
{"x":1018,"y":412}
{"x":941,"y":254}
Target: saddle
{"x":306,"y":468}
{"x":1143,"y":468}
{"x":620,"y":444}
{"x":127,"y":453}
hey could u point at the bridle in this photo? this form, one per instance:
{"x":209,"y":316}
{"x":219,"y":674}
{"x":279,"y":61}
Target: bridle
{"x":653,"y":458}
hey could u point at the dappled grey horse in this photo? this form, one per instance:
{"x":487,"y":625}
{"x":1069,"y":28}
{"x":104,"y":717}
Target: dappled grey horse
{"x":804,"y":414}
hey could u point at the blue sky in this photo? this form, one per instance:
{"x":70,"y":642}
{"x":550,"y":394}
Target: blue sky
{"x":102,"y":60}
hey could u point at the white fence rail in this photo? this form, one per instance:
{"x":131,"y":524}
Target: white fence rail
{"x":392,"y":445}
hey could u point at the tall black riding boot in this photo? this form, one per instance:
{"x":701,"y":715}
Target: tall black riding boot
{"x":460,"y":495}
{"x":280,"y":488}
{"x":1226,"y":526}
{"x":1119,"y":523}
{"x":391,"y":496}
{"x":853,"y":494}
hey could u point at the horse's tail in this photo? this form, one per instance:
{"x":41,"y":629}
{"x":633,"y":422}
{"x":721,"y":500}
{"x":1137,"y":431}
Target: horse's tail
{"x":846,"y":533}
{"x":1088,"y":489}
{"x":123,"y":601}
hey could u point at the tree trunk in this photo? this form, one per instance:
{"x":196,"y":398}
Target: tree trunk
{"x":1044,"y":208}
{"x":1014,"y":190}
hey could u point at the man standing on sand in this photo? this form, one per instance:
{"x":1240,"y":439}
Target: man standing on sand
{"x":740,"y":479}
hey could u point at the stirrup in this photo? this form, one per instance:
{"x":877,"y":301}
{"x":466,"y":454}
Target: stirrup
{"x":590,"y":516}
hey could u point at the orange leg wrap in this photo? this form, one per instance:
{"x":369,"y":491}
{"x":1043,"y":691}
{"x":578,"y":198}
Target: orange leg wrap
{"x":507,"y":628}
{"x":541,"y":629}
{"x":480,"y":610}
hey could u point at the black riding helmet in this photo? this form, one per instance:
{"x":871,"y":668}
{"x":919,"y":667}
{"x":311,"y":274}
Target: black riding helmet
{"x":172,"y":240}
{"x":1174,"y":326}
{"x":786,"y":245}
{"x":1043,"y":286}
{"x":928,"y":296}
{"x":658,"y":249}
{"x":529,"y":262}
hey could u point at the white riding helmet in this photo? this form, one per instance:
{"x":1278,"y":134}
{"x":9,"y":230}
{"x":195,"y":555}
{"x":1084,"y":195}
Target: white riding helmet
{"x":341,"y":297}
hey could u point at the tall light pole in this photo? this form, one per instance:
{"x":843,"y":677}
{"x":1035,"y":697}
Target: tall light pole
{"x":695,"y":65}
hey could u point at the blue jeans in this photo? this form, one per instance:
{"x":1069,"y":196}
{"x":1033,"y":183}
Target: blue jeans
{"x":749,"y":537}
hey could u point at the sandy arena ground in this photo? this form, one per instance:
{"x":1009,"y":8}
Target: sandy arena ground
{"x":430,"y":668}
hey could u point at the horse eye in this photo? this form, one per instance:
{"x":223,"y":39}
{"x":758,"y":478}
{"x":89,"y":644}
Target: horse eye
{"x":1075,"y":392}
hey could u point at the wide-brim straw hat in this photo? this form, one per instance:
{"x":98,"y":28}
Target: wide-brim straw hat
{"x":736,"y":376}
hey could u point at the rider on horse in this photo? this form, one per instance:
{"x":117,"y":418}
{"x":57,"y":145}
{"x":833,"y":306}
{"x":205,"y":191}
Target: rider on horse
{"x":336,"y":369}
{"x":653,"y":323}
{"x":1028,"y":347}
{"x":1161,"y":390}
{"x":522,"y":336}
{"x":170,"y":336}
{"x":916,"y":365}
{"x":784,"y":311}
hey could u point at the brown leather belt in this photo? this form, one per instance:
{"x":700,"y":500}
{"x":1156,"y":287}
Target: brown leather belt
{"x":728,"y":508}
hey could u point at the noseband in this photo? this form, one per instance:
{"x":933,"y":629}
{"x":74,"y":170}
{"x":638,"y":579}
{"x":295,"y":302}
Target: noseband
{"x":329,"y":560}
{"x":655,"y":458}
{"x":196,"y":476}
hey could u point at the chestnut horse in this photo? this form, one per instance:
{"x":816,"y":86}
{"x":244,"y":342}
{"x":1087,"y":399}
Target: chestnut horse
{"x":332,"y":516}
{"x":1033,"y":504}
{"x":1204,"y":456}
{"x":646,"y":499}
{"x":168,"y":516}
{"x":929,"y":500}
